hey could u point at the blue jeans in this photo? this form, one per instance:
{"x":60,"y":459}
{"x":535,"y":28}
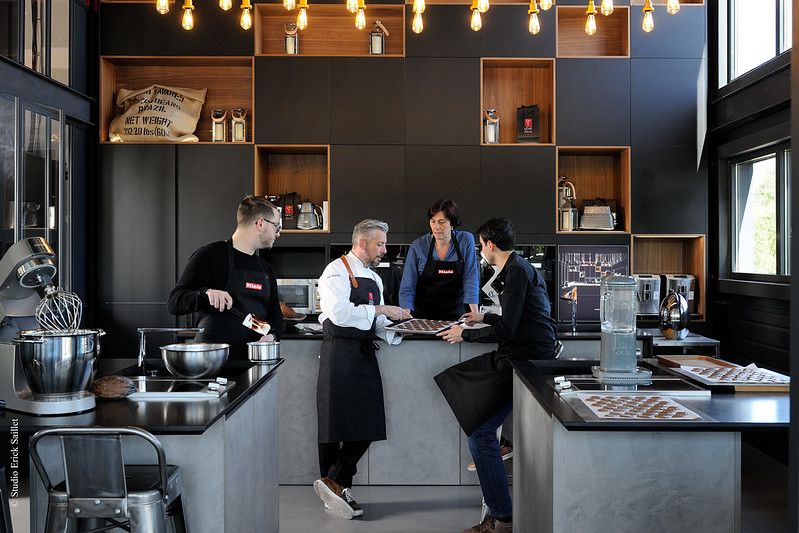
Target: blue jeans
{"x":484,"y":446}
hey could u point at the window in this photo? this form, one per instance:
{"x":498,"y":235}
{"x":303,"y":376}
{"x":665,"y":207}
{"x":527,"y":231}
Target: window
{"x":759,"y":216}
{"x":752,"y":33}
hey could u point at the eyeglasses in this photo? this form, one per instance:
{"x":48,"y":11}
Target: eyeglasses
{"x":278,"y":226}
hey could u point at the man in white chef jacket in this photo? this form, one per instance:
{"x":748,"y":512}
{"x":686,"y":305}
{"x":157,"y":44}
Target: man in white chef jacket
{"x":349,"y":389}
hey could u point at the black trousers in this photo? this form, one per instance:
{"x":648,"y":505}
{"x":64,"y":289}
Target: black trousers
{"x":339,"y":460}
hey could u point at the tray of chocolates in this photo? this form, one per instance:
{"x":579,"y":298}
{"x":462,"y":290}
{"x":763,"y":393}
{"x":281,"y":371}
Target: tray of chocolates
{"x":421,"y":325}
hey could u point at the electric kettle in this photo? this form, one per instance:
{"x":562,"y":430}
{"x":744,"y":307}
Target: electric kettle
{"x":310,"y":216}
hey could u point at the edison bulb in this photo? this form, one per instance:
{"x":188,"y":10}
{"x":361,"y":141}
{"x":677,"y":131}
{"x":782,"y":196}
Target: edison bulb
{"x":477,"y":21}
{"x":188,"y":20}
{"x":360,"y":20}
{"x":534,"y":25}
{"x":649,"y":22}
{"x":225,"y":4}
{"x":590,"y":25}
{"x":418,"y":6}
{"x":289,"y":4}
{"x":482,"y":6}
{"x":607,"y":7}
{"x":302,"y":19}
{"x":162,"y":6}
{"x":672,"y":6}
{"x":246,"y":19}
{"x":546,"y":4}
{"x":352,"y":6}
{"x":417,"y":25}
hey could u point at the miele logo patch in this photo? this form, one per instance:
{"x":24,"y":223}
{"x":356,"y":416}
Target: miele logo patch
{"x":256,"y":286}
{"x":442,"y":271}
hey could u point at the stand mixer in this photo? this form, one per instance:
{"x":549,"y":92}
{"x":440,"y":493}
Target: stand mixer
{"x":29,"y":300}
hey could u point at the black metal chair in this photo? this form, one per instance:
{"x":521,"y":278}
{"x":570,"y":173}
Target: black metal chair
{"x":98,"y":484}
{"x":5,"y":512}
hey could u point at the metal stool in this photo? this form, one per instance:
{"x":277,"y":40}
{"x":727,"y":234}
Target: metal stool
{"x":98,"y":485}
{"x":5,"y":512}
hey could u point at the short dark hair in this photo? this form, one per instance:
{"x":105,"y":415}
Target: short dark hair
{"x":499,"y":231}
{"x":252,"y":208}
{"x":450,"y":210}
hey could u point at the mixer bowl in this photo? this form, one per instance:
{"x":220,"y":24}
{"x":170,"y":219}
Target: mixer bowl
{"x":195,"y":360}
{"x":58,"y":364}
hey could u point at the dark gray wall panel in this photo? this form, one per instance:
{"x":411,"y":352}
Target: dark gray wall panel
{"x":442,"y":101}
{"x":367,"y":182}
{"x":435,"y":172}
{"x":367,"y":101}
{"x":518,"y":183}
{"x":211,"y":183}
{"x":664,"y":101}
{"x":668,"y":194}
{"x":505,"y":33}
{"x":292,"y":100}
{"x":592,"y":102}
{"x":446,"y":33}
{"x":675,"y":36}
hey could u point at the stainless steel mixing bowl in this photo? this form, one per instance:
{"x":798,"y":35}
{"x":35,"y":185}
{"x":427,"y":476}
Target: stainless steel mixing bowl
{"x":195,"y":360}
{"x":58,"y":364}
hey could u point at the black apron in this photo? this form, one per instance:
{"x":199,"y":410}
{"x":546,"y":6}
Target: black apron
{"x":439,"y":290}
{"x":250,"y":292}
{"x":349,"y":389}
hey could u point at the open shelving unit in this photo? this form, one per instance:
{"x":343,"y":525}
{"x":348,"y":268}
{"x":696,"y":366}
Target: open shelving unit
{"x":508,"y":83}
{"x":331,"y":30}
{"x":672,"y":254}
{"x":612,"y":37}
{"x":229,"y":81}
{"x":598,"y":172}
{"x":304,"y":169}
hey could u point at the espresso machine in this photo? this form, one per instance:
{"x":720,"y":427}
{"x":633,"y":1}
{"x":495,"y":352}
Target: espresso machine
{"x":58,"y":363}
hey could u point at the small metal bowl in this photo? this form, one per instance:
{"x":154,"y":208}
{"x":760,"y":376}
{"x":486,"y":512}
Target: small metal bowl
{"x":263,"y":351}
{"x":195,"y":360}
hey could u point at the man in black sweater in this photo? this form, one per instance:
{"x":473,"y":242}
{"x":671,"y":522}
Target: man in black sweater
{"x":479,"y":390}
{"x":230,"y":273}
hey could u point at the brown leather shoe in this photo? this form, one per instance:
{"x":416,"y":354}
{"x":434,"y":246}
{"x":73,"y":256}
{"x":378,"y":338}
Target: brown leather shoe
{"x":332,"y":495}
{"x":356,"y":509}
{"x":491,"y":525}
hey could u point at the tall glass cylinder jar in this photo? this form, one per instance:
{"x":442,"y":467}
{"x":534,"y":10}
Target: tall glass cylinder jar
{"x":617,"y":315}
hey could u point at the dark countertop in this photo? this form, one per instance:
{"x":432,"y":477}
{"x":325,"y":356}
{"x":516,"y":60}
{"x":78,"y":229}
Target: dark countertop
{"x":158,"y":417}
{"x":739,"y":411}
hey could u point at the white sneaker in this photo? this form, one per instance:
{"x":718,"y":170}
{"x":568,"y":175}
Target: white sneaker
{"x":331,"y":494}
{"x":356,"y":509}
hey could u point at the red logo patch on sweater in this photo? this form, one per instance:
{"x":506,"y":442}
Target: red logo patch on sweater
{"x":256,"y":286}
{"x":371,"y":299}
{"x":445,"y":271}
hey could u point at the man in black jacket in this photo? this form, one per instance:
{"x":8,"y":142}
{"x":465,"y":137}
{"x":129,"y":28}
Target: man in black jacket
{"x":479,"y":391}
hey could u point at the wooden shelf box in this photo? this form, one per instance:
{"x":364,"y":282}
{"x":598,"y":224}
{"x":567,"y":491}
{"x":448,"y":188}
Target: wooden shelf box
{"x":672,"y":254}
{"x":304,"y":169}
{"x":509,"y":83}
{"x":612,"y":37}
{"x":331,"y":30}
{"x":598,"y":172}
{"x":229,"y":81}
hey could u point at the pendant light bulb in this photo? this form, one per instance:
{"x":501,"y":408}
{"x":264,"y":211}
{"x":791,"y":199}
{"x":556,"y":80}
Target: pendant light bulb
{"x":225,"y":4}
{"x":302,"y":19}
{"x":352,"y":6}
{"x":417,"y":25}
{"x":534,"y":26}
{"x":360,"y":19}
{"x":246,"y":19}
{"x":418,"y":6}
{"x":672,"y":6}
{"x":590,"y":22}
{"x":649,"y":21}
{"x":607,"y":7}
{"x":162,"y":6}
{"x":188,"y":20}
{"x":289,"y":4}
{"x":482,"y":6}
{"x":546,"y":4}
{"x":477,"y":21}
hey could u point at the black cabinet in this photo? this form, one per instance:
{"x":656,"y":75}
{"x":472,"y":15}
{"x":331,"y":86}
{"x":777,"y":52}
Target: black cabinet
{"x":664,"y":101}
{"x":367,"y":182}
{"x":292,"y":96}
{"x":367,"y":101}
{"x":446,"y":33}
{"x":436,"y":172}
{"x":442,"y":101}
{"x":681,"y":35}
{"x":505,"y":33}
{"x":211,"y":182}
{"x":593,"y":102}
{"x":669,"y":194}
{"x":518,"y":183}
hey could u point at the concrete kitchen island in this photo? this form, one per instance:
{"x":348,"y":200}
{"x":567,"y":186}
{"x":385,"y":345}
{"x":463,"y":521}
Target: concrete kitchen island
{"x":226,"y":448}
{"x":584,"y":474}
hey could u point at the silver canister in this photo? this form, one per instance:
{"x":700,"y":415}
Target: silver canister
{"x":218,"y":125}
{"x":290,"y":39}
{"x":491,"y":126}
{"x":238,"y":127}
{"x":263,"y":351}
